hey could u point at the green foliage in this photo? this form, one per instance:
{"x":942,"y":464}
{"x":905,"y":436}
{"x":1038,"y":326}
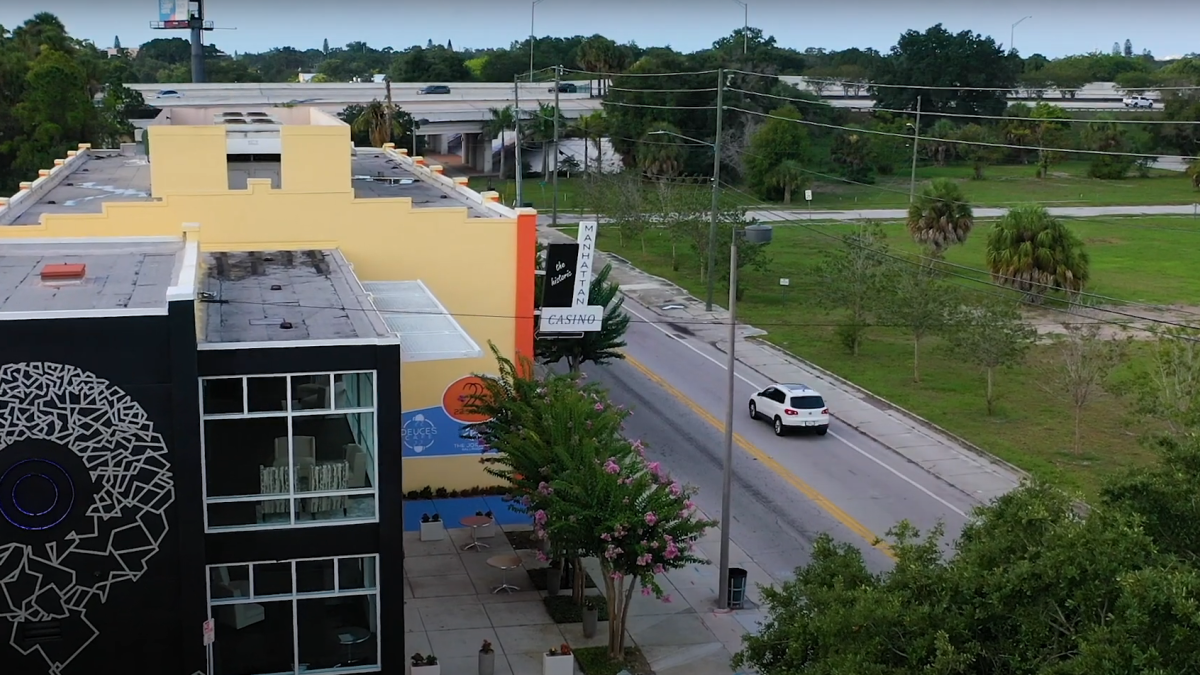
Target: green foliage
{"x":1168,"y":389}
{"x":1032,"y":589}
{"x":851,"y":154}
{"x":854,"y":277}
{"x":660,"y":151}
{"x":778,"y":151}
{"x":599,"y":347}
{"x":1164,"y":496}
{"x":1036,"y":254}
{"x":381,"y":122}
{"x":975,"y":150}
{"x":940,"y":217}
{"x":939,"y":58}
{"x":1084,"y":361}
{"x":919,"y":301}
{"x":992,"y":335}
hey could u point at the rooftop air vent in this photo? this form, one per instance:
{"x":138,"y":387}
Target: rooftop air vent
{"x":234,"y":120}
{"x":231,"y":114}
{"x":256,"y":114}
{"x":64,"y":272}
{"x":262,"y":120}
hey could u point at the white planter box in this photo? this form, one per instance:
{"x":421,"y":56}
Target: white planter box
{"x":433,"y":532}
{"x":558,"y":665}
{"x":427,"y":670}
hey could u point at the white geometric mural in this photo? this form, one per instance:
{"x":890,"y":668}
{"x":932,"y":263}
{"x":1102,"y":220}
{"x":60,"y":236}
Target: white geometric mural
{"x":122,"y":528}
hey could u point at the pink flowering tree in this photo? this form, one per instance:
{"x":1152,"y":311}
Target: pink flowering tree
{"x":642,"y":525}
{"x":539,"y":429}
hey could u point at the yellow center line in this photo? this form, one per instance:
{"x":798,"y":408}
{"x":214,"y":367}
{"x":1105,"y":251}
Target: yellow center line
{"x":770,"y":462}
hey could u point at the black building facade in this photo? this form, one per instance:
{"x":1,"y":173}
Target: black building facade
{"x":150,"y":482}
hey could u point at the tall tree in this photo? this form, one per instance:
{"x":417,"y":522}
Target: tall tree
{"x":660,"y":152}
{"x":853,"y":278}
{"x":1167,"y":389}
{"x":978,"y":147}
{"x":502,"y":119}
{"x":117,"y":42}
{"x":782,"y":138}
{"x":939,"y":58}
{"x":325,"y":46}
{"x":56,"y":111}
{"x":1128,"y":49}
{"x":920,"y":301}
{"x":992,"y":335}
{"x":1084,"y":361}
{"x":382,"y":122}
{"x":1036,"y":253}
{"x":940,"y":217}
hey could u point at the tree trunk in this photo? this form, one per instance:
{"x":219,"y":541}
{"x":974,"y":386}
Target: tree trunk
{"x":787,"y":194}
{"x":674,"y":258}
{"x":916,"y":358}
{"x":1078,"y":417}
{"x":585,"y":157}
{"x":545,"y":160}
{"x":579,"y":582}
{"x":990,"y":402}
{"x":978,"y":170}
{"x":502,"y":153}
{"x":573,"y":364}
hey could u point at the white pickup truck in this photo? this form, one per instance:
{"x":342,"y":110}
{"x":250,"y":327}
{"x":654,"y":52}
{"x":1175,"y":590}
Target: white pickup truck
{"x":1138,"y":102}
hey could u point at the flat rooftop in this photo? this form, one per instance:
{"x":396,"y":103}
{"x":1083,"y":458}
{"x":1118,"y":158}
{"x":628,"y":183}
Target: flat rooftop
{"x":117,"y":276}
{"x":276,"y":296}
{"x":377,"y":175}
{"x":101,"y":178}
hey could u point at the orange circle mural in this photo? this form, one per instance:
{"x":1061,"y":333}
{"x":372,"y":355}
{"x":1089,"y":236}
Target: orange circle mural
{"x":458,"y":394}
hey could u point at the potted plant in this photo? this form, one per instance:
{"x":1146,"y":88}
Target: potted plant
{"x":425,"y":665}
{"x":554,"y":575}
{"x":591,"y":616}
{"x":558,"y":661}
{"x":487,"y":659}
{"x":432,"y":528}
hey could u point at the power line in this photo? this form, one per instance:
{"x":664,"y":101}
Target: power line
{"x":927,"y":87}
{"x":826,"y":104}
{"x":604,"y":75}
{"x":961,"y":142}
{"x":663,"y":91}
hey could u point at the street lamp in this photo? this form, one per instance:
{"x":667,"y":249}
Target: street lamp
{"x":755,"y":234}
{"x":1012,"y":33}
{"x":532,"y":39}
{"x":745,"y":27}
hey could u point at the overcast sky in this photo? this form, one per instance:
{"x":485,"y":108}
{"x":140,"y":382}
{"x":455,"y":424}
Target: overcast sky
{"x":1058,"y":27}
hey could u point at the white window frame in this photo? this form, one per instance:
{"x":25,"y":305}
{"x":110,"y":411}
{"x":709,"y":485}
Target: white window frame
{"x":295,"y":599}
{"x":292,"y":496}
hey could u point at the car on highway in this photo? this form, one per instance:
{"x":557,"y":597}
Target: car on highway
{"x":1138,"y":102}
{"x":791,"y":407}
{"x":168,"y":93}
{"x":434,"y":89}
{"x":565,"y":88}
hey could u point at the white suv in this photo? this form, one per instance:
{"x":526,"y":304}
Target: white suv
{"x":791,"y":406}
{"x":1138,"y":102}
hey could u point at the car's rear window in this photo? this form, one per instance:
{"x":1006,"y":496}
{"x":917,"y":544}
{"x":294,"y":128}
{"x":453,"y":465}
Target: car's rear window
{"x":808,"y":402}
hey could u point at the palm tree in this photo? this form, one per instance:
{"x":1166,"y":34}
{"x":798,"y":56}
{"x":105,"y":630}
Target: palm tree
{"x":940,"y":217}
{"x":541,"y":130}
{"x":591,"y":128}
{"x":1035,"y":253}
{"x":939,"y":144}
{"x":790,"y":176}
{"x":660,"y":154}
{"x":502,"y":120}
{"x":597,"y":347}
{"x":381,"y":121}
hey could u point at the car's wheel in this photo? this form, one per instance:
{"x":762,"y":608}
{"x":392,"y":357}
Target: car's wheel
{"x":753,"y":411}
{"x":821,"y":431}
{"x":779,"y":428}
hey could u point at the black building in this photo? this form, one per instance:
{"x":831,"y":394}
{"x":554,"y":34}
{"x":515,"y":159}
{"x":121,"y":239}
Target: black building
{"x":186,"y":436}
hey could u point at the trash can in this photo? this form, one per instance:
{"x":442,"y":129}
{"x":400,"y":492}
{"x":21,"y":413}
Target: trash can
{"x":737,"y":587}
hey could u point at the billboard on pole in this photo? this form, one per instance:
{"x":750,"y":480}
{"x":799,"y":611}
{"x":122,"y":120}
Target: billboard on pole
{"x":172,"y":10}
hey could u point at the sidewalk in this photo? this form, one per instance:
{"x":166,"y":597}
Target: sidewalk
{"x":953,"y":460}
{"x":449,"y":610}
{"x":792,"y":213}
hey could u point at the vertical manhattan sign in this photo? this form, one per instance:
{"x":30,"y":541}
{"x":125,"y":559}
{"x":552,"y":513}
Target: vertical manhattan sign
{"x":563,"y":313}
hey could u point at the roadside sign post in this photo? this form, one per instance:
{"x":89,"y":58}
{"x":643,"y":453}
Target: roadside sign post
{"x":808,"y":198}
{"x":210,"y":636}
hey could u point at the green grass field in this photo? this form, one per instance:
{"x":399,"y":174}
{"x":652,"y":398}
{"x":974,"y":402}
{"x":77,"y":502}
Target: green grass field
{"x":1003,"y":185}
{"x":1135,"y":259}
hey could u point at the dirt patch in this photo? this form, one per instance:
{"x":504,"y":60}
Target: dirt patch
{"x":1103,"y":240}
{"x":1115,"y":321}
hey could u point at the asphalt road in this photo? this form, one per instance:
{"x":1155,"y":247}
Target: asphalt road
{"x":786,"y":490}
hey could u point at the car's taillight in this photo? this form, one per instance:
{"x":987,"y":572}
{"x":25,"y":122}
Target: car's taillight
{"x":789,"y":411}
{"x":825,"y":411}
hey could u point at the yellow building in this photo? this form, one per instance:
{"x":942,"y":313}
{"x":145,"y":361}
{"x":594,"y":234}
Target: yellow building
{"x":449,"y":270}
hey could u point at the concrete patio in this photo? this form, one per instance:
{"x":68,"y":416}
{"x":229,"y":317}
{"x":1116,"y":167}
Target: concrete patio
{"x":450,"y":610}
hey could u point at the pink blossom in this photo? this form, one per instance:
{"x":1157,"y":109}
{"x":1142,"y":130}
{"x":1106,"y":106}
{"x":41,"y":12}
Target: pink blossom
{"x":606,"y":536}
{"x":651,"y":518}
{"x":653,"y":467}
{"x":599,"y":407}
{"x":683,"y":513}
{"x":539,"y":517}
{"x":676,"y":489}
{"x":542,"y":557}
{"x":658,"y":569}
{"x":666,"y":598}
{"x":545,"y":489}
{"x":644,"y":559}
{"x":612,"y":552}
{"x":612,"y":467}
{"x":689,"y":504}
{"x":672,"y":551}
{"x":616,"y":576}
{"x":646,"y":591}
{"x":638,"y":447}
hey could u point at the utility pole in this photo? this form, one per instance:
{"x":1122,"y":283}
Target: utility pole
{"x":387,"y":88}
{"x":196,"y":24}
{"x":557,"y":116}
{"x":912,"y":181}
{"x":517,"y":150}
{"x":727,"y":477}
{"x":716,"y":192}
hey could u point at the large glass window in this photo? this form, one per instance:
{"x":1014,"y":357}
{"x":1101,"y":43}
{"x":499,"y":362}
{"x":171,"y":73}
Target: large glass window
{"x":295,"y":616}
{"x":289,"y":450}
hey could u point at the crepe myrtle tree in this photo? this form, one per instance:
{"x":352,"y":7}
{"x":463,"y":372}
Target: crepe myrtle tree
{"x":537,"y":429}
{"x":643,"y":524}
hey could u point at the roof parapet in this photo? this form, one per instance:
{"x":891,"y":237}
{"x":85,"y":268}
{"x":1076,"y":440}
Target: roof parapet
{"x":489,"y":201}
